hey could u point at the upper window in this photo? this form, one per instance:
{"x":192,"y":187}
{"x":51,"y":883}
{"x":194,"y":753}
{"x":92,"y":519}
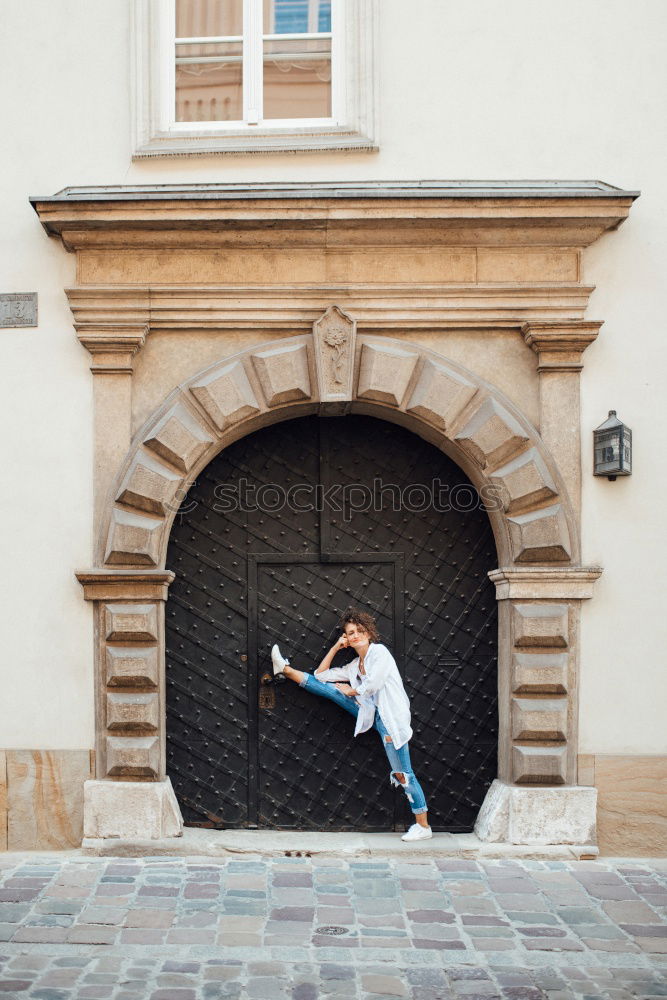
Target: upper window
{"x":246,"y":75}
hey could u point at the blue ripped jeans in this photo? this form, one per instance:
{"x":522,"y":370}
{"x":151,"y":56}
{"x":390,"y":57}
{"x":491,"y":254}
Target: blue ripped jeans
{"x":399,"y":760}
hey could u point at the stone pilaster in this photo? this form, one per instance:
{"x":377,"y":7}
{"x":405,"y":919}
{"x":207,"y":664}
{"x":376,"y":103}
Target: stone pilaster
{"x":112,"y":329}
{"x":539,"y":611}
{"x":129,"y":674}
{"x":559,"y":347}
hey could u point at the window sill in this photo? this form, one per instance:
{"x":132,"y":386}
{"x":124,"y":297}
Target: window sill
{"x":256,"y":140}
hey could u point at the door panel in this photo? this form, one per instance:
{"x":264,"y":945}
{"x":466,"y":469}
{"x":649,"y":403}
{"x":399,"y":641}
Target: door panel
{"x":313,"y":772}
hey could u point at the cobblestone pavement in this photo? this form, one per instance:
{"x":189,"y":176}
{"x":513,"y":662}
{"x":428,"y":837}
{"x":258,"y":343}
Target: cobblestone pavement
{"x":303,"y":928}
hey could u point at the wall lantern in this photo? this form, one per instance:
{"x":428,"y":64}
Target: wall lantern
{"x":612,"y":448}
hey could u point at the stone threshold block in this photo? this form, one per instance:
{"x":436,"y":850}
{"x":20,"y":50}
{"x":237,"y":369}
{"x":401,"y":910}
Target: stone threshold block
{"x":530,"y":816}
{"x":147,"y":810}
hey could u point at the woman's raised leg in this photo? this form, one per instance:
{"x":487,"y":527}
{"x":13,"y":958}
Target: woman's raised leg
{"x":328,"y":690}
{"x":293,"y":675}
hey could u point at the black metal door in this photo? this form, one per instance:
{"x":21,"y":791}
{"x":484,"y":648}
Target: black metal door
{"x":240,"y":754}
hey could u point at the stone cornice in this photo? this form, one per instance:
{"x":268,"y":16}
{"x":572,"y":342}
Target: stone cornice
{"x":125,"y":585}
{"x":560,"y":346}
{"x":375,"y":307}
{"x":496,"y":213}
{"x":545,"y":582}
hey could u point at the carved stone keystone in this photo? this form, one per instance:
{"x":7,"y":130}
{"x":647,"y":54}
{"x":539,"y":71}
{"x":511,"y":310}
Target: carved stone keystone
{"x":334,"y":337}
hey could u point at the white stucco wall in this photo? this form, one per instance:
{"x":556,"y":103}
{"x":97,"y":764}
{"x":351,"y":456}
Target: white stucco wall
{"x":486,"y":90}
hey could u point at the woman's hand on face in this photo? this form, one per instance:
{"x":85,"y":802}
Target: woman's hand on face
{"x":341,"y":644}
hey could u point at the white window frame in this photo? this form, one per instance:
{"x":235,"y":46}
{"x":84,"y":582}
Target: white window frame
{"x":351,"y":126}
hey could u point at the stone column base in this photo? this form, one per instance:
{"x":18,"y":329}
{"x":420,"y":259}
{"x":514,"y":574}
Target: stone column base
{"x":138,"y":810}
{"x":515,"y":814}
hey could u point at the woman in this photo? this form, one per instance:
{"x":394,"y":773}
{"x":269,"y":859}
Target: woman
{"x":370,"y":688}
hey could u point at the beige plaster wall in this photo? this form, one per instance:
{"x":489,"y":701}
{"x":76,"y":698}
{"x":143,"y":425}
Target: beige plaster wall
{"x":514,"y":96}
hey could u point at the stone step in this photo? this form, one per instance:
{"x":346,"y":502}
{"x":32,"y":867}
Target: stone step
{"x":275,"y":843}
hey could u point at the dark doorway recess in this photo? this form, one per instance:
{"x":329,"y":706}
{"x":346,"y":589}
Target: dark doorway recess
{"x":241,"y":754}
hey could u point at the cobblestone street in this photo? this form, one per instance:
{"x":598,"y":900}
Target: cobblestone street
{"x":73,"y":926}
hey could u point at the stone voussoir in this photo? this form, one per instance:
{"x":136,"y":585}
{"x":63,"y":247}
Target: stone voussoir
{"x":541,"y":535}
{"x":385,"y":372}
{"x":226,"y":395}
{"x":149,"y":487}
{"x":178,"y":439}
{"x":133,"y":540}
{"x":440,"y":394}
{"x":283,"y":371}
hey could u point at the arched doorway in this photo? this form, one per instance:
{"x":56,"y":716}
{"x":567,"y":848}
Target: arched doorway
{"x":240,"y":754}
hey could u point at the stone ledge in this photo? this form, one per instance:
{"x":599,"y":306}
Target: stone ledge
{"x":125,"y":584}
{"x":545,"y":582}
{"x":279,"y":843}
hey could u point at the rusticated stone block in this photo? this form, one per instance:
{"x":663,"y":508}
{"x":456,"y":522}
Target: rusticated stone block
{"x":137,"y":713}
{"x":150,"y":488}
{"x":440,"y":394}
{"x":283,"y":373}
{"x":491,"y":435}
{"x":385,"y":373}
{"x":133,"y":756}
{"x":226,"y":395}
{"x":539,"y":718}
{"x":535,"y":765}
{"x":539,"y":673}
{"x":130,"y":622}
{"x":133,"y":540}
{"x":539,"y":624}
{"x":179,"y":439}
{"x":131,"y":667}
{"x":524,"y":481}
{"x":541,"y":536}
{"x":45,"y":798}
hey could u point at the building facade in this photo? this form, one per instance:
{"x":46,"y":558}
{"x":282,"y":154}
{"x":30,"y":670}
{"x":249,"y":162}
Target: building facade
{"x":247,"y":274}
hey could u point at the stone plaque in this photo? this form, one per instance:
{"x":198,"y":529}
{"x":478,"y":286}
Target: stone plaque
{"x":18,"y":309}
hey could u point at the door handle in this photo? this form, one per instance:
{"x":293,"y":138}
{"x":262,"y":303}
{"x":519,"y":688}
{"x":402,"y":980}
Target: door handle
{"x":267,"y":692}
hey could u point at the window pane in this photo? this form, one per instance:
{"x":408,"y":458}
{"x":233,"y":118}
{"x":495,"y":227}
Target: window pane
{"x":324,"y":16}
{"x":209,"y":72}
{"x":297,"y":16}
{"x":208,"y":18}
{"x":297,"y":78}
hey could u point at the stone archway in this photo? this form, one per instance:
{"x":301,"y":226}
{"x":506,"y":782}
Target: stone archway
{"x":539,"y":582}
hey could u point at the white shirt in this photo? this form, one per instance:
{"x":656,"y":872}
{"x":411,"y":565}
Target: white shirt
{"x":380,"y":687}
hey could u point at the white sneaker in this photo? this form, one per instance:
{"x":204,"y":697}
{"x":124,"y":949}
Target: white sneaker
{"x":278,"y":660}
{"x":417,"y":832}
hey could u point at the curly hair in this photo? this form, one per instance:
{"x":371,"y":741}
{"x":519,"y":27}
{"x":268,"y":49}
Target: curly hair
{"x":354,"y":616}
